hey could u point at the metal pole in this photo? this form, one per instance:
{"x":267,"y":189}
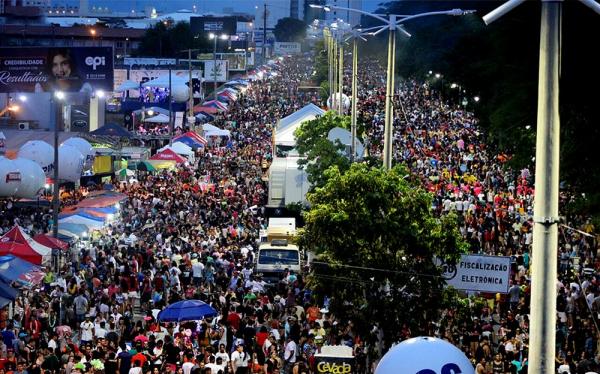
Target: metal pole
{"x":354,"y":97}
{"x":389,"y":92}
{"x":170,"y":110}
{"x":330,"y":57}
{"x":191,"y":92}
{"x":545,"y":230}
{"x":341,"y":78}
{"x":334,"y":73}
{"x":264,"y":46}
{"x":56,"y":196}
{"x":215,"y":67}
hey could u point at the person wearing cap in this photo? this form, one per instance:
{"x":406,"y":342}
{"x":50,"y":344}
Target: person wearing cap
{"x":240,"y":360}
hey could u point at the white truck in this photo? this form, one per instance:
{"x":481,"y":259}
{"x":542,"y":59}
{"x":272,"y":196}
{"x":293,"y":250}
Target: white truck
{"x":277,"y":251}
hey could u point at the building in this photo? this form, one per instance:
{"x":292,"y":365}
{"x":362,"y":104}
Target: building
{"x":353,"y":18}
{"x":122,"y":40}
{"x":275,"y":10}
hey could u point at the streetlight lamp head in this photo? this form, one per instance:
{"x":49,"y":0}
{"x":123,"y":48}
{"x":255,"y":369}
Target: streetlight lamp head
{"x":527,"y":127}
{"x":211,"y":36}
{"x":93,"y":32}
{"x":22,"y":98}
{"x":453,"y":85}
{"x":99,"y":94}
{"x":315,"y":6}
{"x":59,"y":95}
{"x":437,"y":75}
{"x":476,"y":98}
{"x":224,"y":37}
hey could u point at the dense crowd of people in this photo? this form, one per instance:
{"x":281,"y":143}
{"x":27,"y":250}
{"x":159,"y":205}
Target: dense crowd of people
{"x":191,"y":233}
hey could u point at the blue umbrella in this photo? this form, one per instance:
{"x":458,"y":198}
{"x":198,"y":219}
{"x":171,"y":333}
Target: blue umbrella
{"x":186,"y":310}
{"x":12,"y":267}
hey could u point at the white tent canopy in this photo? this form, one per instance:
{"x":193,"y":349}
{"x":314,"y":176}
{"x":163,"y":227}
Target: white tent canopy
{"x":284,"y":133}
{"x":163,"y":81}
{"x":128,"y":85}
{"x":159,"y":118}
{"x":179,"y":148}
{"x":211,"y":130}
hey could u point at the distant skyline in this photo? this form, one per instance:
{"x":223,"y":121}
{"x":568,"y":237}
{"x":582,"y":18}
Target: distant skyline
{"x":168,"y":6}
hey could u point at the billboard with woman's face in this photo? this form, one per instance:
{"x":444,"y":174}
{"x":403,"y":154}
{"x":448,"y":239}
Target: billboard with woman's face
{"x":39,"y":69}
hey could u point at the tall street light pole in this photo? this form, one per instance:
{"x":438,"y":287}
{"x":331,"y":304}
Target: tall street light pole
{"x":545,"y":209}
{"x":391,"y":23}
{"x":59,"y":97}
{"x":341,"y":79}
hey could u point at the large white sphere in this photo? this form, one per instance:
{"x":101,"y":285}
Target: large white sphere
{"x":70,"y":163}
{"x":85,"y":148}
{"x":41,"y":153}
{"x":33,"y":178}
{"x":180,"y":93}
{"x":10,"y":177}
{"x":424,"y":355}
{"x":333,"y":101}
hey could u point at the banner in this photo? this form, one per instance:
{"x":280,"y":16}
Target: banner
{"x":217,"y":25}
{"x":479,"y":273}
{"x":285,"y":48}
{"x":149,"y":61}
{"x":334,"y":365}
{"x":220,"y":70}
{"x":143,"y":76}
{"x":70,"y":69}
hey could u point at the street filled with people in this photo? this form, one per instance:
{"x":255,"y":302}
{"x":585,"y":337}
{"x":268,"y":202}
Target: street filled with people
{"x":192,"y":232}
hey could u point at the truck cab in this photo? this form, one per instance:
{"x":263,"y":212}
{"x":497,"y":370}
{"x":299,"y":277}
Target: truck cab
{"x":275,"y":257}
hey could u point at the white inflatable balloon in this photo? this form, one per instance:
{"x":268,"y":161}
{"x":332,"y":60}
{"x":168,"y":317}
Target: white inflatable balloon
{"x":41,"y":153}
{"x":33,"y":178}
{"x":424,"y":355}
{"x":10,"y":177}
{"x":180,"y":93}
{"x":333,"y":101}
{"x":70,"y":163}
{"x":85,"y":148}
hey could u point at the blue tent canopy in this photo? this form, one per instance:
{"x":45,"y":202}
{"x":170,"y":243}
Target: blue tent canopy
{"x":12,"y":267}
{"x":7,"y":292}
{"x":74,"y":228}
{"x":112,"y":129}
{"x":82,"y":214}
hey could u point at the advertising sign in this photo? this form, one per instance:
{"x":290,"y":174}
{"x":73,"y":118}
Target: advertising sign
{"x":149,"y":61}
{"x":287,"y":48}
{"x":334,"y":365}
{"x":220,"y":25}
{"x":219,"y":70}
{"x":143,"y":76}
{"x":71,"y":69}
{"x":479,"y":273}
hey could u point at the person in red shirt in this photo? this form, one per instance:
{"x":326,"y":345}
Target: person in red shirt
{"x":234,"y":319}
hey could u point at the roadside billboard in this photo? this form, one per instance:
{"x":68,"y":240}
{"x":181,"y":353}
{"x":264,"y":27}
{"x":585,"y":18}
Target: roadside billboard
{"x":287,"y":48}
{"x":490,"y":274}
{"x":69,"y":69}
{"x":217,"y":25}
{"x":218,"y":70}
{"x":145,"y":75}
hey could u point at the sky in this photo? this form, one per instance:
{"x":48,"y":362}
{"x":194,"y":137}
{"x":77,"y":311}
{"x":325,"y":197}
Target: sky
{"x":165,"y":6}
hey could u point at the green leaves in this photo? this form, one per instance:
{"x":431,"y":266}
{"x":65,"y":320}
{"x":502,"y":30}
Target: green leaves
{"x":379,"y":229}
{"x":290,"y":30}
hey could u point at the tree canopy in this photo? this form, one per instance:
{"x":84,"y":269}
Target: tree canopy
{"x":320,"y":153}
{"x":166,"y":39}
{"x":375,"y":238}
{"x":290,"y":30}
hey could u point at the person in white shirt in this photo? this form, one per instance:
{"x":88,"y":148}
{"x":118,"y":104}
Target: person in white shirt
{"x":223,"y":355}
{"x":289,"y":355}
{"x":188,"y":365}
{"x":87,"y":331}
{"x":239,"y":360}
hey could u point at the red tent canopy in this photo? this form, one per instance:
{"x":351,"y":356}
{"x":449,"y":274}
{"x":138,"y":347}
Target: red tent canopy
{"x":193,"y":135}
{"x":17,"y":243}
{"x":168,"y":155}
{"x":50,"y":241}
{"x":205,"y":109}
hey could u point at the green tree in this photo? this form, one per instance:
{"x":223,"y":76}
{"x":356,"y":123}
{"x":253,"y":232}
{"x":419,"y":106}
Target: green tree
{"x":375,"y":237}
{"x":320,"y":153}
{"x":166,"y":39}
{"x":290,"y":30}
